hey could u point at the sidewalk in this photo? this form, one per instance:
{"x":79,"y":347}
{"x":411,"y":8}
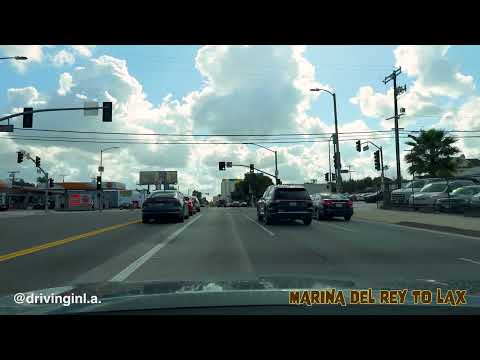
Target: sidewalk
{"x":442,"y":222}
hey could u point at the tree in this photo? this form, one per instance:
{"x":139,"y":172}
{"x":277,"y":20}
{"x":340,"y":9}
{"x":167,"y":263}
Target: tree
{"x":256,"y":183}
{"x":41,"y":179}
{"x":198,"y":194}
{"x":432,"y":154}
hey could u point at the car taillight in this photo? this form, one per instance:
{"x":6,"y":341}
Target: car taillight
{"x":349,"y":203}
{"x":327,"y":202}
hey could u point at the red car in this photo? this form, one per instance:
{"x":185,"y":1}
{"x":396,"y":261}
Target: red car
{"x":191,"y":206}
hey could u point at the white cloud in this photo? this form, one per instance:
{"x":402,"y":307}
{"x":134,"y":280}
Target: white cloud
{"x":65,"y":83}
{"x":265,"y":88}
{"x":25,"y":97}
{"x":63,"y":57}
{"x":83,"y":50}
{"x":33,"y":52}
{"x":435,"y":76}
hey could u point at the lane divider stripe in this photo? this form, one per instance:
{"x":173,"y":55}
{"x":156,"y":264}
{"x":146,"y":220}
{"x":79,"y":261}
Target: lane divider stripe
{"x":122,"y":275}
{"x":67,"y":240}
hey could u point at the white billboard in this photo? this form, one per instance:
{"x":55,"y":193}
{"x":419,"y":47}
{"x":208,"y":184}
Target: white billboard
{"x":158,"y":177}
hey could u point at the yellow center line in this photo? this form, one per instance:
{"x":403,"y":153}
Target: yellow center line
{"x":52,"y":244}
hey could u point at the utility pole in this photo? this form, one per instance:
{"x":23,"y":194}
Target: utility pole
{"x":396,"y":92}
{"x":338,"y":165}
{"x":63,"y":177}
{"x":329,"y":164}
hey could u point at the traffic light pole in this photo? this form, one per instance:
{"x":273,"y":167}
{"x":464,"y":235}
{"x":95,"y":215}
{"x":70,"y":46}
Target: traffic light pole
{"x":47,"y":110}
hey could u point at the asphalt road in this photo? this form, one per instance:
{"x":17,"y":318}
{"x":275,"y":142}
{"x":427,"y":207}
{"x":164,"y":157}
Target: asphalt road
{"x":59,"y":249}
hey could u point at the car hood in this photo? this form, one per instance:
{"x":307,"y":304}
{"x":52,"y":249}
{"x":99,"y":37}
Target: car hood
{"x":427,"y":194}
{"x":405,"y":190}
{"x":265,"y":290}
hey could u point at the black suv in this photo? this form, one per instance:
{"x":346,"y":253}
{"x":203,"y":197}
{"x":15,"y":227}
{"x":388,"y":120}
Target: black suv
{"x":285,"y":202}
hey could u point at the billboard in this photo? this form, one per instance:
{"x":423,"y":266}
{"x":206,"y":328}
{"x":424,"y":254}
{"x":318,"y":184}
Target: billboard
{"x":80,"y":201}
{"x":158,"y":177}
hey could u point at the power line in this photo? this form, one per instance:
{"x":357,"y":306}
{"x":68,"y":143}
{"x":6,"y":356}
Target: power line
{"x":72,"y":140}
{"x":200,"y":135}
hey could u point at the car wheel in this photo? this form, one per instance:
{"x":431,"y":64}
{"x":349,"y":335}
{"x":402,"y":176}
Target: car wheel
{"x":268,"y":219}
{"x":181,"y":218}
{"x":307,"y":221}
{"x":259,"y":217}
{"x":347,"y":218}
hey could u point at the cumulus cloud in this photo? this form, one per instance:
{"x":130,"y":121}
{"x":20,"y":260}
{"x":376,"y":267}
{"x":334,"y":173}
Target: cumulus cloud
{"x":25,"y":97}
{"x":33,"y":52}
{"x":63,"y":57}
{"x":65,"y":84}
{"x":83,"y":50}
{"x":265,"y":88}
{"x":435,"y":76}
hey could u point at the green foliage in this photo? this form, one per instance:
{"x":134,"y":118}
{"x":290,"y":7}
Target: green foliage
{"x":432,"y":154}
{"x":257,"y":183}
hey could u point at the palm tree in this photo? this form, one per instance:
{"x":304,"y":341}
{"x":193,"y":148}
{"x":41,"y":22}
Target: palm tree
{"x":432,"y":154}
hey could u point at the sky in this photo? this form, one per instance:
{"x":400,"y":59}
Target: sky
{"x":243,"y":90}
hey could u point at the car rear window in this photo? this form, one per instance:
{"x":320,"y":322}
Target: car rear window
{"x":162,"y":194}
{"x":335,"y":197}
{"x":291,"y":194}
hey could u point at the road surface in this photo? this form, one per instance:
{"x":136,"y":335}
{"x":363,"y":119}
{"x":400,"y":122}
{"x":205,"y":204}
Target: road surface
{"x":59,"y":249}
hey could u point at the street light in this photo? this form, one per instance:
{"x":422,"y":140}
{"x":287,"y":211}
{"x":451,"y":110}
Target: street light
{"x":336,"y":143}
{"x":275,"y":152}
{"x":14,"y":58}
{"x":100,"y":169}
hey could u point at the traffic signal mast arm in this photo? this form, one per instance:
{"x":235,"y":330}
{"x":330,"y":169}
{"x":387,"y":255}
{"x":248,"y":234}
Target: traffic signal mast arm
{"x":27,"y":155}
{"x":105,"y":107}
{"x":45,"y":110}
{"x":263,"y":172}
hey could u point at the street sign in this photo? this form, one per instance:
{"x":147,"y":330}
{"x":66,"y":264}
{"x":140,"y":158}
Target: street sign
{"x":101,"y":169}
{"x":229,"y":164}
{"x":6,"y":128}
{"x":365,"y":148}
{"x":89,"y":104}
{"x":344,"y":171}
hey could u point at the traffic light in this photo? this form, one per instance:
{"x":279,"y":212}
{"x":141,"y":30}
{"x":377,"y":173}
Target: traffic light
{"x":376,"y":154}
{"x":221,"y":165}
{"x":37,"y":161}
{"x":336,"y":162}
{"x":327,"y":177}
{"x":19,"y":157}
{"x":50,"y":184}
{"x":359,"y":145}
{"x":279,"y":182}
{"x":99,"y":183}
{"x":107,"y":111}
{"x":27,"y":118}
{"x":334,"y":177}
{"x":252,"y":168}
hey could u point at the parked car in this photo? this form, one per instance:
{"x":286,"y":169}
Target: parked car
{"x":401,"y":196}
{"x":431,"y":192}
{"x":374,"y":197}
{"x":243,"y":204}
{"x":164,"y":204}
{"x":459,"y":199}
{"x":285,"y":202}
{"x":192,"y":210}
{"x":474,"y":203}
{"x":221,"y":203}
{"x":331,"y":205}
{"x":126,"y":206}
{"x":235,"y":204}
{"x":196,"y":203}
